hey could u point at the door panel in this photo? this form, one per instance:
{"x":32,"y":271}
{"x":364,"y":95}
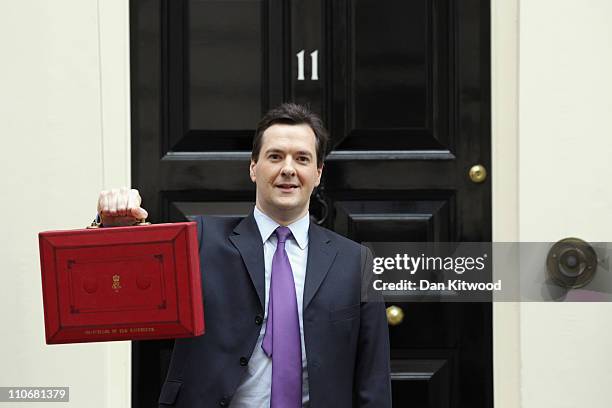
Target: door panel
{"x":230,"y":33}
{"x":222,"y":63}
{"x":394,"y":90}
{"x":424,"y":383}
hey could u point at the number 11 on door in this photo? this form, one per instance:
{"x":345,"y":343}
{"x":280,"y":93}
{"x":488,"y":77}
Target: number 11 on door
{"x":314,"y":61}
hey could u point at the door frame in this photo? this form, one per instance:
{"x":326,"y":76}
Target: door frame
{"x":504,"y":156}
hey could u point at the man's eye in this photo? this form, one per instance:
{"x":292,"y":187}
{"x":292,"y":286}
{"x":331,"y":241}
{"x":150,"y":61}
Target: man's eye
{"x":274,"y":156}
{"x":303,"y":159}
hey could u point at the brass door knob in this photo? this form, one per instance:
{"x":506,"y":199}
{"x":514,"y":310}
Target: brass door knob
{"x":478,"y":173}
{"x":395,"y":315}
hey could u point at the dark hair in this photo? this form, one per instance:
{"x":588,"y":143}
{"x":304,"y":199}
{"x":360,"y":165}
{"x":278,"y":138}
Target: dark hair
{"x":292,"y":114}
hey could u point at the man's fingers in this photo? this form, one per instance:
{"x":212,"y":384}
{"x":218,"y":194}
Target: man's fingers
{"x":115,"y":203}
{"x":133,"y":200}
{"x":120,"y":206}
{"x":139,"y":213}
{"x":112,"y":202}
{"x":101,"y":200}
{"x":122,"y":202}
{"x":105,"y":204}
{"x":134,"y":209}
{"x":137,"y":199}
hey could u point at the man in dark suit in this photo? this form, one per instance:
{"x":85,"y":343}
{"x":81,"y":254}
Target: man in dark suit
{"x":288,"y":324}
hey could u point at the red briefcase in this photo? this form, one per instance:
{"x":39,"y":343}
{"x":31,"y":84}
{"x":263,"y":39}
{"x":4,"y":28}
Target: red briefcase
{"x":121,"y":283}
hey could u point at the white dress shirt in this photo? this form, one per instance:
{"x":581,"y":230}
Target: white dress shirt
{"x":255,"y":387}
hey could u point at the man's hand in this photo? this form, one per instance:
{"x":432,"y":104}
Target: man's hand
{"x":120,"y":207}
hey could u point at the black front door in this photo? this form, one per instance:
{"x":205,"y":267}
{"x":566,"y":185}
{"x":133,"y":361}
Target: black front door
{"x":403,"y":87}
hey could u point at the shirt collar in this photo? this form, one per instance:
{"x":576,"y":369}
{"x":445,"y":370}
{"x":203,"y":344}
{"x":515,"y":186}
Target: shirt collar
{"x":267,"y":226}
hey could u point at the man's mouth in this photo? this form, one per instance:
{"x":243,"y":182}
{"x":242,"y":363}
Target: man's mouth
{"x":287,"y":186}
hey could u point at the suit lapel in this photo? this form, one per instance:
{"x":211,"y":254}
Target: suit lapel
{"x":247,"y":240}
{"x":321,"y":254}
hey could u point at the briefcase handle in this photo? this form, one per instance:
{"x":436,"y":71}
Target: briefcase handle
{"x":96,"y":224}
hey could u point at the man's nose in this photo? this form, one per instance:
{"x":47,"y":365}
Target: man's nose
{"x":288,"y":169}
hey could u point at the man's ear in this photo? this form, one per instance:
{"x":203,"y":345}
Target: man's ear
{"x":252,"y":171}
{"x":319,"y":173}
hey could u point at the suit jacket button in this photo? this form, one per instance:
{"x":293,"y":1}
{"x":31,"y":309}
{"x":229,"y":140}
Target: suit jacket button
{"x":258,"y":320}
{"x":224,"y":402}
{"x":244,"y":361}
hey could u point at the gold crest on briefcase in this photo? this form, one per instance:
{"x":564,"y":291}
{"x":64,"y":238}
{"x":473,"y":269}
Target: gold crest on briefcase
{"x":116,"y":283}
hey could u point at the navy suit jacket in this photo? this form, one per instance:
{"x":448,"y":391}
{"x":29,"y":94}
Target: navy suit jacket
{"x":346,"y":339}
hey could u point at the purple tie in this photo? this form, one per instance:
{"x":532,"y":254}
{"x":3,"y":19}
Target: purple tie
{"x":282,"y":338}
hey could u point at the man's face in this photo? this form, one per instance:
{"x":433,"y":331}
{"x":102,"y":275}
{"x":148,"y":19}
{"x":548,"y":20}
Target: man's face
{"x":286,"y":171}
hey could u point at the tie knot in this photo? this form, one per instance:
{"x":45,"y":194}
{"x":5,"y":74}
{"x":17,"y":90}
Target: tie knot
{"x":282,"y":233}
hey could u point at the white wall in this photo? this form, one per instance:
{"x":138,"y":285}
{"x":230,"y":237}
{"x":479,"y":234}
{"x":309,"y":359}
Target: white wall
{"x":64,"y":121}
{"x":564,"y":178}
{"x":552,"y":158}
